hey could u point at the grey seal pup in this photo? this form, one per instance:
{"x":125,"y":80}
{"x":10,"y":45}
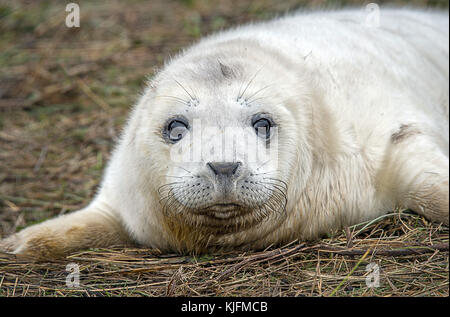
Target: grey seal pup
{"x":272,"y":132}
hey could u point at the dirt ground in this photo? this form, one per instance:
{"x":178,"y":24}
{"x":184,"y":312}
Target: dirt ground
{"x":64,"y":97}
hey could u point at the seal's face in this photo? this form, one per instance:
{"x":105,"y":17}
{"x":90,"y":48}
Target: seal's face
{"x":224,"y":168}
{"x":221,"y":133}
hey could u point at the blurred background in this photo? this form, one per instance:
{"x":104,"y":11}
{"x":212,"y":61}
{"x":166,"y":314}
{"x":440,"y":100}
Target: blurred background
{"x":65,"y":92}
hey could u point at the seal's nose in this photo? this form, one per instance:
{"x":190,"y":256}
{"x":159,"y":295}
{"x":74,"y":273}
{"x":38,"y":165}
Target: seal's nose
{"x":224,"y":168}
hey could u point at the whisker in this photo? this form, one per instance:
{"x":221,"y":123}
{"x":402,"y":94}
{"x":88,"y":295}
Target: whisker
{"x":275,"y":186}
{"x":190,"y":205}
{"x":249,"y":98}
{"x":279,"y":193}
{"x":182,"y":176}
{"x":171,"y":192}
{"x":166,"y":185}
{"x":181,"y":100}
{"x":185,"y":170}
{"x":173,"y":200}
{"x":248,"y":84}
{"x":278,"y":180}
{"x":263,"y":164}
{"x":264,"y":193}
{"x":179,"y":84}
{"x":256,"y":99}
{"x":274,"y":171}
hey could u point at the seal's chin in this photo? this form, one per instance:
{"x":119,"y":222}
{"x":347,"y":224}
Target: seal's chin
{"x":217,"y":217}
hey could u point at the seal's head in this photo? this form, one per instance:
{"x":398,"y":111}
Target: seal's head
{"x":224,"y":139}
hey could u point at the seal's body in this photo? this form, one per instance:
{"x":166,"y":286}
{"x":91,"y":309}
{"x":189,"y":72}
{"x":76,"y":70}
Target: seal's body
{"x":353,"y":118}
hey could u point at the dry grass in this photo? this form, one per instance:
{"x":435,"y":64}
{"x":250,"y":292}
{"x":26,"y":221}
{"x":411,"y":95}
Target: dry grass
{"x":412,"y":256}
{"x":64,"y":95}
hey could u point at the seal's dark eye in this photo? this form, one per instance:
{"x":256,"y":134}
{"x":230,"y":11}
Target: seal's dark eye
{"x":262,"y":128}
{"x":176,"y":130}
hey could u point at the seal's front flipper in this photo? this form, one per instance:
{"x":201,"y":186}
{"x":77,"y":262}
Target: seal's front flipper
{"x":86,"y":228}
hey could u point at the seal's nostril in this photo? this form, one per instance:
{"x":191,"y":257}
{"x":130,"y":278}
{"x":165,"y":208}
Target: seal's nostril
{"x":224,"y":168}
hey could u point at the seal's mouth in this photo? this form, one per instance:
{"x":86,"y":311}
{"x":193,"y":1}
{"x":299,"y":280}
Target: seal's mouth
{"x":223,"y":207}
{"x":222,"y":211}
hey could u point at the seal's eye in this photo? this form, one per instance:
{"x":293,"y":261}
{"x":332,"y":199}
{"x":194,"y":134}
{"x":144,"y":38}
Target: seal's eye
{"x":262,"y":127}
{"x":176,"y":130}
